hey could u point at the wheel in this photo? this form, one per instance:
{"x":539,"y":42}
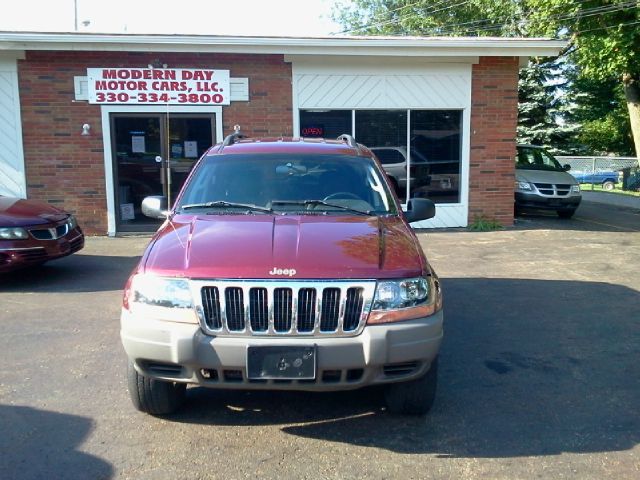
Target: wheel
{"x":414,"y":397}
{"x":566,"y":213}
{"x":337,"y":195}
{"x":155,"y":397}
{"x":608,"y":185}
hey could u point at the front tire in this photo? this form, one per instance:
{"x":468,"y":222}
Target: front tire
{"x":608,"y":186}
{"x":415,"y":397}
{"x":155,"y":397}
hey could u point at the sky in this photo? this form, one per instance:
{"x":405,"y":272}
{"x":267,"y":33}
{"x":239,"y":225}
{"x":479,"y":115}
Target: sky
{"x":306,"y":18}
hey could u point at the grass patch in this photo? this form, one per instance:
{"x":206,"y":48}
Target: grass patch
{"x":484,"y":224}
{"x":587,"y":187}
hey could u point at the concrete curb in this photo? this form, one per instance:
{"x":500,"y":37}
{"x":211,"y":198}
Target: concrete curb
{"x":611,"y":199}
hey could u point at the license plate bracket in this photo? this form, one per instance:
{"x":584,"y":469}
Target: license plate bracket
{"x":281,"y":362}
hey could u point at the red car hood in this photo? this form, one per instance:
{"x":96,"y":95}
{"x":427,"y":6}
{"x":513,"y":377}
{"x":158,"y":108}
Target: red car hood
{"x":16,"y":212}
{"x":252,"y":246}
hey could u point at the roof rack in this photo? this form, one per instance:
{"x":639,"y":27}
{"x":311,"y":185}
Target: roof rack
{"x":349,"y":140}
{"x":231,"y":139}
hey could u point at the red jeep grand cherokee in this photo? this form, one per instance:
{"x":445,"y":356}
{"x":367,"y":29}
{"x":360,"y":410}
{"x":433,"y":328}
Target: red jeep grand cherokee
{"x":284,"y":264}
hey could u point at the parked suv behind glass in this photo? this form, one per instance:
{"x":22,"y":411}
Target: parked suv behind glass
{"x":284,"y":264}
{"x":543,"y":184}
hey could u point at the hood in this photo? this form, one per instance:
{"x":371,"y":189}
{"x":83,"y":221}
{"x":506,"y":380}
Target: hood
{"x":285,"y":247}
{"x":544,"y":176}
{"x":16,"y":212}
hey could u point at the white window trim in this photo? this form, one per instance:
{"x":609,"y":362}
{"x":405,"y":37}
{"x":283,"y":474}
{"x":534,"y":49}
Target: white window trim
{"x":107,"y":110}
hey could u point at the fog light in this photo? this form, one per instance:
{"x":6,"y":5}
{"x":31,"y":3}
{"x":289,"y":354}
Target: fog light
{"x":205,"y":373}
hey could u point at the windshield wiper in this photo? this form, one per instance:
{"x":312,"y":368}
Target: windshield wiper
{"x":225,"y":204}
{"x":323,"y":203}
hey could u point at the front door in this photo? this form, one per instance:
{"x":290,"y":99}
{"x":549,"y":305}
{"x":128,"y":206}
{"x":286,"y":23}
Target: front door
{"x":153,"y":154}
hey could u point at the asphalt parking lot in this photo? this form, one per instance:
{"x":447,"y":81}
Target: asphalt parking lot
{"x":540,"y":373}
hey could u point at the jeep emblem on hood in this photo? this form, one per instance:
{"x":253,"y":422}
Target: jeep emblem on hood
{"x":283,"y":271}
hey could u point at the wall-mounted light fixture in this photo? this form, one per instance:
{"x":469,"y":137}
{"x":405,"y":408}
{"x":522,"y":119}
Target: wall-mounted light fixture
{"x":85,"y":129}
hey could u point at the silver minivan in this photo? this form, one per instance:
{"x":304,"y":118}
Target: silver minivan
{"x":543,"y":184}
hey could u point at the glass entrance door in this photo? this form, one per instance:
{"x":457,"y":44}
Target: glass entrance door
{"x":152,"y":155}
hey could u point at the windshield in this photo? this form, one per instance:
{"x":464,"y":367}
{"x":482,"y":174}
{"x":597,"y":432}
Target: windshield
{"x":536,"y":159}
{"x":290,"y":183}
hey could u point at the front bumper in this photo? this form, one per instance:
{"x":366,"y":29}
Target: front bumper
{"x":542,"y":202}
{"x":181,"y":352}
{"x":16,"y":254}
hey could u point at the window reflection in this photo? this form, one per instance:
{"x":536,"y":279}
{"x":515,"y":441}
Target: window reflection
{"x":435,"y":146}
{"x":436,"y":142}
{"x":385,"y":133}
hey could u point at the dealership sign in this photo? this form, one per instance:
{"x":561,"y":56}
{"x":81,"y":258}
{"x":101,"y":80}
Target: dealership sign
{"x":151,"y":86}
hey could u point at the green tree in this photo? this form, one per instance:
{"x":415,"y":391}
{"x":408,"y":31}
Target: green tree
{"x":600,"y":110}
{"x":544,"y":114}
{"x":603,"y":35}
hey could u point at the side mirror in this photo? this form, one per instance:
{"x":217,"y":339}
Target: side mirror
{"x":566,"y":167}
{"x":420,"y":209}
{"x":155,"y":207}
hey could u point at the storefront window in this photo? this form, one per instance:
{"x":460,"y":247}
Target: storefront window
{"x":436,"y":142}
{"x":325,"y":123}
{"x":385,"y":132}
{"x":435,"y":146}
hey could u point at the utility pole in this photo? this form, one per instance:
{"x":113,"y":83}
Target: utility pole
{"x":75,"y":15}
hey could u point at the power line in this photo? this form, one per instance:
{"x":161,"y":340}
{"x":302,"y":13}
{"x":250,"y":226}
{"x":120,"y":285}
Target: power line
{"x":608,"y":27}
{"x":452,"y":27}
{"x":388,"y":12}
{"x":399,"y":19}
{"x":589,"y":12}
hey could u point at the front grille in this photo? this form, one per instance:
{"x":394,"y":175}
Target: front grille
{"x":307,"y":307}
{"x":560,"y":189}
{"x":234,"y":299}
{"x":51,"y":233}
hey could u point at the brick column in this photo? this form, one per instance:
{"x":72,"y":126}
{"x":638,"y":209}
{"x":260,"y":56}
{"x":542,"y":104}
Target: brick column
{"x":494,"y":116}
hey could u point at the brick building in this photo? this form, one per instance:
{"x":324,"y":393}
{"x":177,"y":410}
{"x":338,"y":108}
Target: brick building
{"x":95,"y":122}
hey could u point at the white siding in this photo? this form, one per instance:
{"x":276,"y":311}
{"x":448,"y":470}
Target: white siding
{"x":382,"y":91}
{"x":378,"y":83}
{"x":12,"y":176}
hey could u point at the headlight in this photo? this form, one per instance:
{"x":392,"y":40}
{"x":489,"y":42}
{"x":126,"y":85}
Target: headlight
{"x":16,"y":233}
{"x":406,"y":299}
{"x":575,"y":188}
{"x":73,"y":223}
{"x":400,"y":293}
{"x":162,"y":298}
{"x":523,"y":186}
